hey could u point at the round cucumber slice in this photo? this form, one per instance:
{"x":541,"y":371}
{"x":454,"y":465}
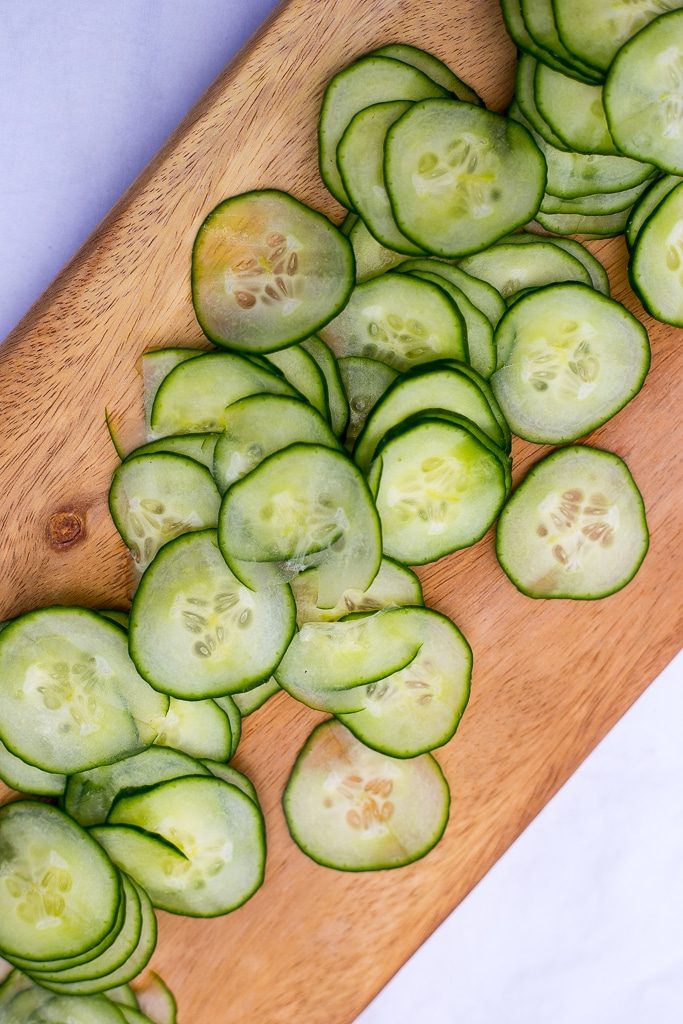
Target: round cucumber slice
{"x":393,"y":586}
{"x":251,"y":700}
{"x":597,"y":272}
{"x":526,"y":100}
{"x":268,"y":271}
{"x":354,"y":809}
{"x":372,"y":258}
{"x":480,"y":293}
{"x":569,"y":359}
{"x":511,"y":268}
{"x":232,"y":712}
{"x":122,"y":995}
{"x":432,"y":66}
{"x":365,"y":381}
{"x":304,"y":374}
{"x":199,"y":447}
{"x":114,"y":615}
{"x":460,"y":177}
{"x":156,"y":366}
{"x":339,"y":409}
{"x":601,"y":204}
{"x":156,"y":1000}
{"x":574,"y":110}
{"x":516,"y":26}
{"x":606,"y":225}
{"x":575,"y":527}
{"x":596,"y":31}
{"x":59,"y":893}
{"x":656,"y":269}
{"x":74,"y":1009}
{"x":539,"y":18}
{"x":71,"y":697}
{"x":199,"y":728}
{"x":235,"y":778}
{"x":23,"y":777}
{"x":647,"y":204}
{"x":196,"y":631}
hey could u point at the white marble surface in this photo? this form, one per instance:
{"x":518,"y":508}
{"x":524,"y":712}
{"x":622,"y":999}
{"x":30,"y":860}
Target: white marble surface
{"x":582,"y":919}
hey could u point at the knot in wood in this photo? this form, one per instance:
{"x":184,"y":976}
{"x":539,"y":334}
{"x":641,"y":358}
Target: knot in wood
{"x":64,"y":528}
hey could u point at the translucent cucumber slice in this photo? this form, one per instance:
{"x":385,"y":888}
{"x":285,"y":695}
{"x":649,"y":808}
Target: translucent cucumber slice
{"x":122,"y":995}
{"x":156,"y":366}
{"x":597,"y":272}
{"x":516,"y":26}
{"x":575,"y":527}
{"x":23,"y":777}
{"x":156,"y":1000}
{"x":481,"y":353}
{"x":440,"y":489}
{"x":354,"y":809}
{"x":432,"y":66}
{"x":360,"y":158}
{"x":89,"y":795}
{"x":196,"y":631}
{"x":569,"y":360}
{"x":539,"y":19}
{"x":199,"y":447}
{"x":460,"y":177}
{"x":53,"y":1009}
{"x":481,"y":293}
{"x":268,"y":271}
{"x":606,"y":225}
{"x":71,"y":697}
{"x":485,"y":388}
{"x":372,"y":258}
{"x":220,"y":832}
{"x":511,"y":268}
{"x":235,"y":778}
{"x":134,"y":1016}
{"x":574,"y":110}
{"x":232,"y":712}
{"x":656,"y":269}
{"x":303,"y":373}
{"x":365,"y":381}
{"x":194,"y":396}
{"x":260,"y":425}
{"x":596,"y":31}
{"x":526,"y":100}
{"x":250,"y":701}
{"x":339,"y":409}
{"x":154,"y":498}
{"x":420,"y":707}
{"x":393,"y":586}
{"x":399,"y":321}
{"x":349,"y":220}
{"x":300,"y":501}
{"x":115,"y":615}
{"x":197,"y":727}
{"x":602,"y":204}
{"x":647,"y":204}
{"x":59,"y":894}
{"x":367,"y":81}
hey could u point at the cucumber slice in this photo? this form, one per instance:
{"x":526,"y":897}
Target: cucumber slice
{"x":440,"y":490}
{"x":656,"y":269}
{"x":525,"y":98}
{"x":196,"y":632}
{"x":133,"y":1016}
{"x":485,"y":388}
{"x":575,"y":527}
{"x":23,"y":777}
{"x":569,"y":360}
{"x":432,"y":387}
{"x":251,"y":700}
{"x":516,"y":26}
{"x":13,"y":983}
{"x":479,"y":292}
{"x":348,"y":222}
{"x":268,"y":271}
{"x":431,"y":66}
{"x":199,"y":728}
{"x":372,"y":258}
{"x":367,"y":81}
{"x":154,"y":498}
{"x":220,"y":832}
{"x":400,"y":321}
{"x":60,"y":894}
{"x":460,"y":177}
{"x":595,"y":206}
{"x":420,"y":707}
{"x":365,"y":381}
{"x":122,"y":995}
{"x":260,"y":425}
{"x":156,"y":1000}
{"x":43,"y":1008}
{"x":303,"y":373}
{"x":89,"y":795}
{"x":194,"y":396}
{"x":596,"y":31}
{"x":156,"y":366}
{"x":302,"y":500}
{"x":235,"y":778}
{"x":360,"y":158}
{"x":354,"y":809}
{"x":647,"y":204}
{"x":574,"y":111}
{"x":114,"y":615}
{"x":144,"y":855}
{"x":199,"y":447}
{"x":229,"y":707}
{"x":339,"y":409}
{"x":597,"y":272}
{"x":511,"y":268}
{"x":72,"y":698}
{"x":394,"y":585}
{"x":601,"y":226}
{"x":539,"y":19}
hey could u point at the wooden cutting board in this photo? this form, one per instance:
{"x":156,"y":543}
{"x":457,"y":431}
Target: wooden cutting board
{"x":550,"y":678}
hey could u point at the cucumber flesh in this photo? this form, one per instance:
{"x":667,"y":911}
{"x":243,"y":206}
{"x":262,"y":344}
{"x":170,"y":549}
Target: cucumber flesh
{"x":199,"y":447}
{"x":394,"y":585}
{"x":516,"y":26}
{"x":303,"y":373}
{"x":231,"y":775}
{"x":365,"y":381}
{"x":647,"y":204}
{"x":251,"y":700}
{"x":122,"y":995}
{"x":597,"y":272}
{"x":339,"y":410}
{"x":597,"y":205}
{"x":525,"y":98}
{"x":156,"y":366}
{"x":156,"y":1000}
{"x":228,"y":706}
{"x":52,"y":1009}
{"x":511,"y":268}
{"x":656,"y":269}
{"x":485,"y":297}
{"x":432,"y":66}
{"x":575,"y":527}
{"x":23,"y":777}
{"x":596,"y":31}
{"x":606,"y":225}
{"x":539,"y":18}
{"x":574,"y":110}
{"x":372,"y":258}
{"x":196,"y":727}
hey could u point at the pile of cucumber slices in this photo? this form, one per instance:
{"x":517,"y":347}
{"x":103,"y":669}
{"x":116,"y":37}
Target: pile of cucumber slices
{"x":354,"y":418}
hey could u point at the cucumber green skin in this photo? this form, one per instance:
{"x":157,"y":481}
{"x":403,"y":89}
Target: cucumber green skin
{"x":122,"y":995}
{"x":336,"y":396}
{"x":526,"y":99}
{"x":647,"y":204}
{"x":594,"y":267}
{"x":154,"y":991}
{"x":228,"y":706}
{"x":167,"y":444}
{"x":16,"y":774}
{"x":250,"y":701}
{"x":487,"y":392}
{"x":483,"y":295}
{"x":430,"y":65}
{"x":500,"y":554}
{"x":633,"y":268}
{"x":548,"y":36}
{"x":516,"y":26}
{"x":598,"y":205}
{"x":233,"y":777}
{"x":607,"y":225}
{"x":133,"y":1016}
{"x":376,"y":867}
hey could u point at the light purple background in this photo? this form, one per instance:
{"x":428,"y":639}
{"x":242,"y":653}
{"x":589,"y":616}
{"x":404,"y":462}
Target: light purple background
{"x":582,"y":920}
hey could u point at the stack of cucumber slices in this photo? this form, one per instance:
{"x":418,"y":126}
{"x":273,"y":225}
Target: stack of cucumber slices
{"x":353,"y":419}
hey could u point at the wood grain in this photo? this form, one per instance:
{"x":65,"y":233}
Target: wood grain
{"x":550,"y":678}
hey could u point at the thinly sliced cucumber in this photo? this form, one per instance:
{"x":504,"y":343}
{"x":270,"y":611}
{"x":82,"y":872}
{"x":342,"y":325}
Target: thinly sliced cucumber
{"x":601,"y":226}
{"x":156,"y":1000}
{"x":251,"y":700}
{"x":114,"y":615}
{"x":43,"y":1008}
{"x":574,"y":111}
{"x":539,"y":19}
{"x":114,"y":435}
{"x":597,"y":272}
{"x":199,"y":728}
{"x":595,"y":206}
{"x":229,"y":708}
{"x":13,"y":983}
{"x":516,"y":26}
{"x":235,"y":778}
{"x":268,"y":271}
{"x":365,"y":381}
{"x":596,"y":31}
{"x":59,"y":895}
{"x":199,"y":447}
{"x":439,"y":489}
{"x":437,"y":387}
{"x":569,"y":360}
{"x":144,"y":855}
{"x":134,"y":1016}
{"x":360,"y":158}
{"x":460,"y":177}
{"x":194,"y":396}
{"x":156,"y":366}
{"x":369,"y":80}
{"x":372,"y":258}
{"x":394,"y":585}
{"x":354,"y":809}
{"x":526,"y":99}
{"x":71,"y":697}
{"x":656,"y":269}
{"x":122,"y":995}
{"x":302,"y":500}
{"x":479,"y":292}
{"x":575,"y":527}
{"x":432,"y":66}
{"x":221,"y":834}
{"x":196,"y":631}
{"x":511,"y":268}
{"x":349,"y":220}
{"x":400,"y":321}
{"x":89,"y":795}
{"x":339,"y":410}
{"x":647,"y":204}
{"x":23,"y":777}
{"x":154,"y":498}
{"x":304,"y":374}
{"x":257,"y":426}
{"x":505,"y":443}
